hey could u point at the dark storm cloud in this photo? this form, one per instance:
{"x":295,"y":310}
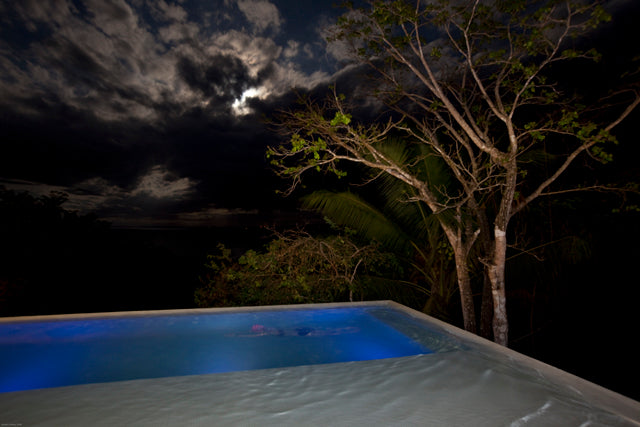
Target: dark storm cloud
{"x":223,"y":78}
{"x":102,"y":86}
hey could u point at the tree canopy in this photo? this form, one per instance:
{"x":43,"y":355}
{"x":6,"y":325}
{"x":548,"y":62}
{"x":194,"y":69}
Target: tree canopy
{"x":476,"y":82}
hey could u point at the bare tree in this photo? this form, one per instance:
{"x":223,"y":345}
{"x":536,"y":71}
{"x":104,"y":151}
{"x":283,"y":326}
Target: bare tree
{"x":472,"y":81}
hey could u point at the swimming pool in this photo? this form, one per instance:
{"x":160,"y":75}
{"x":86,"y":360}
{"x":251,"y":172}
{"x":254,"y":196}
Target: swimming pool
{"x":63,"y":352}
{"x":452,"y":377}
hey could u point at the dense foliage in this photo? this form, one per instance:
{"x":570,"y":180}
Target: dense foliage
{"x":296,"y":268}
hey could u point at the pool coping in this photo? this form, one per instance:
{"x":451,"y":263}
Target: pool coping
{"x":603,"y":397}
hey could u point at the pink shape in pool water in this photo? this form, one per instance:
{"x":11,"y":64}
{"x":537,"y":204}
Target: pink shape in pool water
{"x":258,"y":328}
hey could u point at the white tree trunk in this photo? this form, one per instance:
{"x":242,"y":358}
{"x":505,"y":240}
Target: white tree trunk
{"x":496,"y":276}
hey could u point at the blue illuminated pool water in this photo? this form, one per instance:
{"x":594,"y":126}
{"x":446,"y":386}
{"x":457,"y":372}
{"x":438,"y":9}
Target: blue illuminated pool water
{"x":69,"y":352}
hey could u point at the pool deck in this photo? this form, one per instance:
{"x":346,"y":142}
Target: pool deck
{"x":484,"y":385}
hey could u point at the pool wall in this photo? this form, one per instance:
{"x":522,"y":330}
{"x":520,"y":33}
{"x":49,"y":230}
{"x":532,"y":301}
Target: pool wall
{"x":623,"y":407}
{"x":605,"y":398}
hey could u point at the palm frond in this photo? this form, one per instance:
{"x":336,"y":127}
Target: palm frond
{"x":350,"y":210}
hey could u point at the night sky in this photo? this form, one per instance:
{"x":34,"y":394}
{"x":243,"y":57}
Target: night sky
{"x":149,"y":113}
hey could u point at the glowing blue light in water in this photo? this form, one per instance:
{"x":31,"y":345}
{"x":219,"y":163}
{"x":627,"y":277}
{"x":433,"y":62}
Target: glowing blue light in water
{"x":68,"y":352}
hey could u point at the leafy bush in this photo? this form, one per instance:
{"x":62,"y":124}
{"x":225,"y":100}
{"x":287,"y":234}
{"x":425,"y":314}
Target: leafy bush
{"x":295,"y":268}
